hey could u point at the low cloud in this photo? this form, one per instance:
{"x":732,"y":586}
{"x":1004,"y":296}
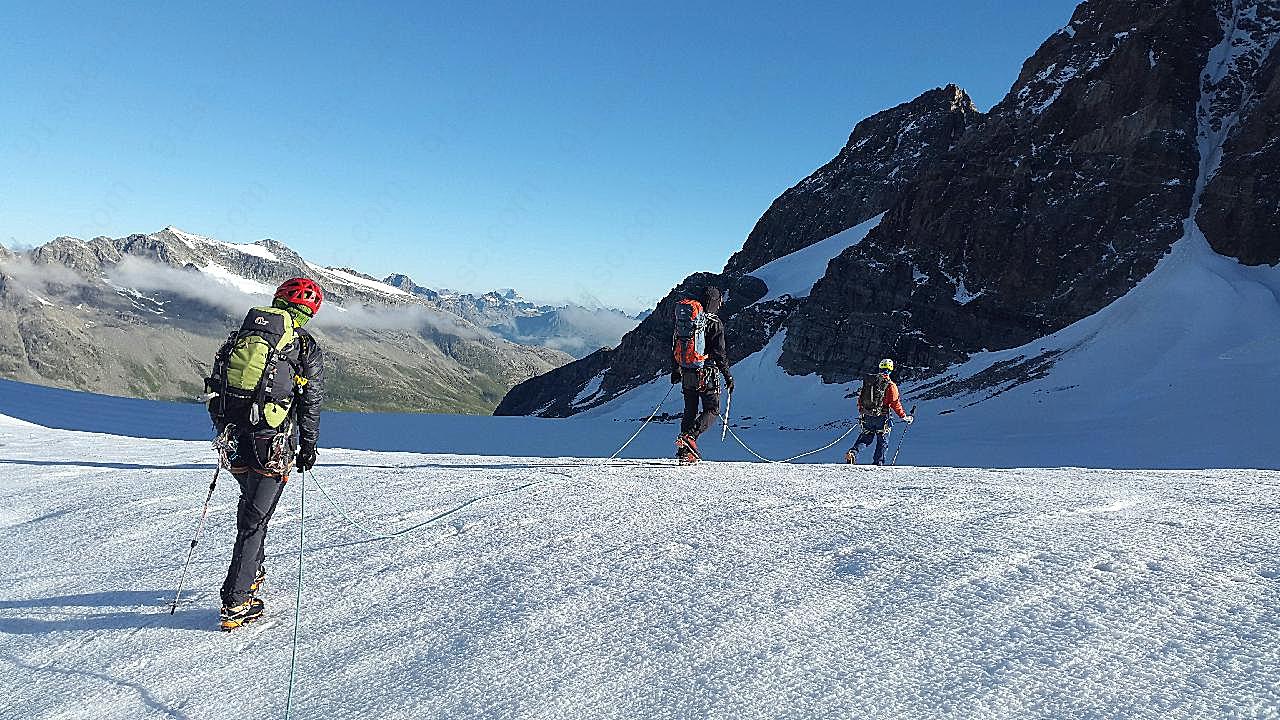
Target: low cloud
{"x":399,"y":317}
{"x":579,"y":330}
{"x":39,"y":278}
{"x":148,"y":276}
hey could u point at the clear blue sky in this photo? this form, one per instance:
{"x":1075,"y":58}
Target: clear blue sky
{"x":572,"y":151}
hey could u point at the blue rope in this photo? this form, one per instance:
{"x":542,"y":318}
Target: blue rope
{"x":297,"y":603}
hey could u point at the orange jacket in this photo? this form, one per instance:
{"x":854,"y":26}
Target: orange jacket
{"x":893,"y":400}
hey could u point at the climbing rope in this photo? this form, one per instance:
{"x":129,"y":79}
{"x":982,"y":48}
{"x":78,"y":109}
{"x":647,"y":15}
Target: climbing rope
{"x":729,"y":430}
{"x":297,"y":607}
{"x":793,"y":458}
{"x":297,"y":601}
{"x":377,"y":535}
{"x":635,"y":435}
{"x":382,"y":535}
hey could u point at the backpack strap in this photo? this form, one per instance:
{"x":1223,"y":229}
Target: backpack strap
{"x":217,"y":381}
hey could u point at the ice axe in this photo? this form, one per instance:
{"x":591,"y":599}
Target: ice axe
{"x":904,"y":435}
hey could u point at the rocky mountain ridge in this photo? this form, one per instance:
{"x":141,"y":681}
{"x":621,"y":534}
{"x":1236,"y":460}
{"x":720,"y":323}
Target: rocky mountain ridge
{"x":1001,"y":227}
{"x":141,"y":316}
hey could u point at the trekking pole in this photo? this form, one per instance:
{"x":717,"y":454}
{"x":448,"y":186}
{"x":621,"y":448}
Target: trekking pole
{"x":195,"y":539}
{"x":904,"y":435}
{"x":727,"y":404}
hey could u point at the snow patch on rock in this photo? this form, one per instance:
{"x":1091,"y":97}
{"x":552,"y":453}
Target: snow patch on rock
{"x":795,"y":274}
{"x":243,"y":284}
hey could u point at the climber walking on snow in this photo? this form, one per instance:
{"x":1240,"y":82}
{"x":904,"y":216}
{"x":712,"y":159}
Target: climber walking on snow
{"x":879,"y":396}
{"x":264,"y":399}
{"x":698,"y":358}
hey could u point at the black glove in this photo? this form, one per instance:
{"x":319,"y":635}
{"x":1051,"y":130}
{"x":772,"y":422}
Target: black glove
{"x":728,"y":382}
{"x":307,"y":458}
{"x":675,"y":377}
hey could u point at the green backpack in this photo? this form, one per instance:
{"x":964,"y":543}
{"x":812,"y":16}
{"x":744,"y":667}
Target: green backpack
{"x":255,"y":373}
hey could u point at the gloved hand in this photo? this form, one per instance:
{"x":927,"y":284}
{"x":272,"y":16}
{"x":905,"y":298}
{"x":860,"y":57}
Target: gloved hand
{"x":909,"y":419}
{"x":675,"y":377}
{"x":307,"y":458}
{"x":728,"y":382}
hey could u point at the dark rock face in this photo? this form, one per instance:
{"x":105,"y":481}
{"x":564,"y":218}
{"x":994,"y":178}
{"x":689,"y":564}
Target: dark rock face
{"x":1005,"y":227}
{"x":645,"y":353}
{"x":1064,"y":196}
{"x":884,"y":154}
{"x":1240,"y":210}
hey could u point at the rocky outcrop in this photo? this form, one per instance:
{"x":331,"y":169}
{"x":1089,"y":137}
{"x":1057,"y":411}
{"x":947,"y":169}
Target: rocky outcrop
{"x":1063,"y":197}
{"x":1240,"y":210}
{"x":645,"y":353}
{"x":406,"y":283}
{"x":1004,"y":227}
{"x":884,"y":154}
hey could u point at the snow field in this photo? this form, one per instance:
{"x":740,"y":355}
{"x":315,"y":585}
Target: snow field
{"x":640,"y":589}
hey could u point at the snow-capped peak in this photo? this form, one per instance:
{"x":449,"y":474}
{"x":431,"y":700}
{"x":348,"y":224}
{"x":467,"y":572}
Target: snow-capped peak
{"x":191,"y":240}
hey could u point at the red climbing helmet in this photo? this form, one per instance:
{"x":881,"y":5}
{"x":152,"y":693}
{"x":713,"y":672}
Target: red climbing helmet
{"x":303,"y":292}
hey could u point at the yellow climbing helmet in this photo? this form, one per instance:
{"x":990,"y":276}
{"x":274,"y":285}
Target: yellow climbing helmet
{"x":886,"y":365}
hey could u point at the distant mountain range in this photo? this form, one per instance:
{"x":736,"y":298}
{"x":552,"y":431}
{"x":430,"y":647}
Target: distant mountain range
{"x":142,"y":315}
{"x":574,"y":329}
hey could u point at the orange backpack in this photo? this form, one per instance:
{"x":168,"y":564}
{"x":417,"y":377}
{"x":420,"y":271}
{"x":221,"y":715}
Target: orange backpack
{"x":690,"y":344}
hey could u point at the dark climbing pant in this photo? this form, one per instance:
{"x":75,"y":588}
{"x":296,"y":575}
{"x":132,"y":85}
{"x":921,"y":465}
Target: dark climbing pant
{"x":694,"y":423}
{"x":258,"y":497}
{"x":881,"y":440}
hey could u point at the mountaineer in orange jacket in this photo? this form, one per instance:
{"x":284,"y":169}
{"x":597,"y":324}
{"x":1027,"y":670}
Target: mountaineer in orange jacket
{"x":879,"y":396}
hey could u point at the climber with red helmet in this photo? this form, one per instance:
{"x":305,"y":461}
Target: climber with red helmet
{"x":264,"y":399}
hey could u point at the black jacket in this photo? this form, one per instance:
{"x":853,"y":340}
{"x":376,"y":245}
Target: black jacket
{"x":310,"y":395}
{"x":717,"y":355}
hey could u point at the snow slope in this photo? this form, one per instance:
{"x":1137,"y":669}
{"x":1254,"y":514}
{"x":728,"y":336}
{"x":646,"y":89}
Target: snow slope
{"x":567,"y":589}
{"x":1178,"y":373}
{"x":795,"y":274}
{"x":351,"y":279}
